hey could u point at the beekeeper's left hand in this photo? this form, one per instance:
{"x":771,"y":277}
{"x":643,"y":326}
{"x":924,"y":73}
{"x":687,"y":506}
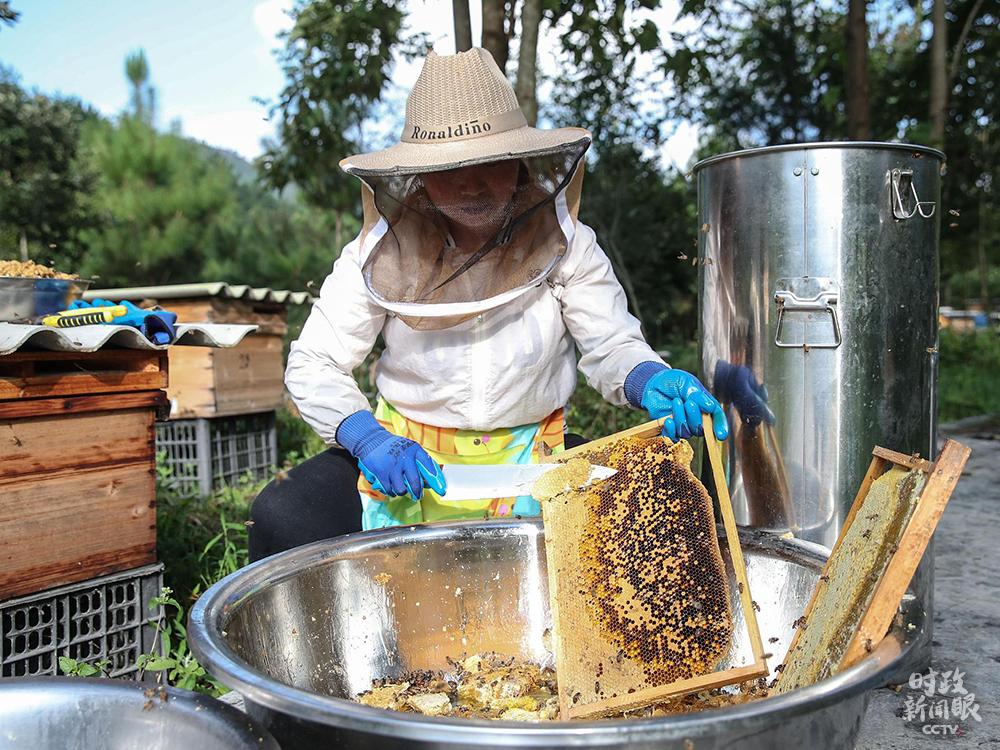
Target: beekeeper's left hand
{"x":678,"y":398}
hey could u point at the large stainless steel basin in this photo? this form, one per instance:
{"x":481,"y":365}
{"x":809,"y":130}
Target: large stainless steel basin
{"x":70,"y":713}
{"x":300,"y":632}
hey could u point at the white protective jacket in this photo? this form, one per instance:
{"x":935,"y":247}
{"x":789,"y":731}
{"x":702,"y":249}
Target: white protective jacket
{"x":509,"y":366}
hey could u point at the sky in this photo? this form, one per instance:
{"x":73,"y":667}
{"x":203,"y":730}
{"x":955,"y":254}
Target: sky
{"x":209,"y":60}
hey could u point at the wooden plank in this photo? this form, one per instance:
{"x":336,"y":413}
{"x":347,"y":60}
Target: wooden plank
{"x":733,"y":539}
{"x":129,"y":360}
{"x":876,"y":469}
{"x":192,"y":382}
{"x":76,"y":525}
{"x":943,"y":477}
{"x":249,"y":377}
{"x":39,"y":407}
{"x":901,"y":459}
{"x":49,"y":374}
{"x":680,"y":687}
{"x":646,"y":430}
{"x":110,"y":382}
{"x":36,"y":448}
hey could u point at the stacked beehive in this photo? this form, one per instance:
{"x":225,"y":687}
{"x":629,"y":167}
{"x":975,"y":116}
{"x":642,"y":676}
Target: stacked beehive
{"x":222,"y":401}
{"x":78,"y":506}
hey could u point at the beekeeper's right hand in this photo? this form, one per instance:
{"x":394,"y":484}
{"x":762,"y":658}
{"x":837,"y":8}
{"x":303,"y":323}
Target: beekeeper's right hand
{"x":393,"y":465}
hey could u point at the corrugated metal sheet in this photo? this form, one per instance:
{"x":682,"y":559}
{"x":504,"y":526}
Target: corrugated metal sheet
{"x":206,"y":289}
{"x":13,"y":336}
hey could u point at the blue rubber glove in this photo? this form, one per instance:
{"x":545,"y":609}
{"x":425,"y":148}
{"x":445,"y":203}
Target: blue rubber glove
{"x":156,"y":325}
{"x":393,"y":465}
{"x":677,"y":397}
{"x":737,"y":385}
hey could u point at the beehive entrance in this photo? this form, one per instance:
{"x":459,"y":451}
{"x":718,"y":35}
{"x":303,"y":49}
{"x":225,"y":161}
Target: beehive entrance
{"x":639,"y":588}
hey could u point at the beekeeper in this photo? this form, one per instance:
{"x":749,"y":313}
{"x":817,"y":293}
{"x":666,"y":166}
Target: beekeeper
{"x":473,"y":267}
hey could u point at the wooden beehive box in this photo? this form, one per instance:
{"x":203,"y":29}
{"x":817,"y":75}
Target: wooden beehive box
{"x":248,"y":378}
{"x":77,"y":465}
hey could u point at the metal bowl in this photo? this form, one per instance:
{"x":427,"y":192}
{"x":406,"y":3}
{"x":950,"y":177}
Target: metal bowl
{"x":300,"y":632}
{"x":70,"y":713}
{"x":22,"y":299}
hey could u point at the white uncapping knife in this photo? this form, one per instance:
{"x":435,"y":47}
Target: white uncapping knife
{"x":503,"y":480}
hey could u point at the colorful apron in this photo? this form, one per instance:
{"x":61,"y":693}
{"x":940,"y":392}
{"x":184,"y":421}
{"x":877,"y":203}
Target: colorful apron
{"x":514,"y":445}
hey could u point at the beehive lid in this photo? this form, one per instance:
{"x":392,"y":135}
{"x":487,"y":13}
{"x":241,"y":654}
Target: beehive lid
{"x":14,"y":336}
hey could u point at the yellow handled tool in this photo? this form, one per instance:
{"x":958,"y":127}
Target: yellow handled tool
{"x":84,"y":316}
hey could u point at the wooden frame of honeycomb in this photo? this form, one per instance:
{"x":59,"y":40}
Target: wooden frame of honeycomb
{"x":638,"y":588}
{"x":883,"y":538}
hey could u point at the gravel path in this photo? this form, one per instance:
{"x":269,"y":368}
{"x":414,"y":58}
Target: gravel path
{"x":967,"y":607}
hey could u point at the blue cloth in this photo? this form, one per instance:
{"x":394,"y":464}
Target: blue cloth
{"x":677,"y":397}
{"x":158,"y":326}
{"x":394,"y":465}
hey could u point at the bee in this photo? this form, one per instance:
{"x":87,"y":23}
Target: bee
{"x":800,"y":623}
{"x":868,"y":645}
{"x":773,"y":639}
{"x":872,"y":517}
{"x":867,"y":533}
{"x":756,"y":606}
{"x":824,"y":578}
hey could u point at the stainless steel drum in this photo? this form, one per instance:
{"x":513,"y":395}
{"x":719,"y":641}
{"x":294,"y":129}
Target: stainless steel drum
{"x":300,"y":632}
{"x":70,"y":713}
{"x":818,"y":296}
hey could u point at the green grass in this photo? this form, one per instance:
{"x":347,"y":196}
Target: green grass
{"x":969,"y":383}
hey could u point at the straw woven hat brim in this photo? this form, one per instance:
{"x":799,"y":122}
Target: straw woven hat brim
{"x":417,"y":158}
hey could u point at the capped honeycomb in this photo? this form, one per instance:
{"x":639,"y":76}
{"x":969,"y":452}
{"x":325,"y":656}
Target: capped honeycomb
{"x":850,"y":579}
{"x":639,"y":590}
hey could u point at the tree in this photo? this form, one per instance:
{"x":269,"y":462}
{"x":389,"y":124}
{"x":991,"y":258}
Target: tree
{"x":527,"y":59}
{"x":463,"y":25}
{"x":337,"y":61}
{"x":159,"y":201}
{"x":939,"y":73}
{"x":858,"y":119}
{"x":760,"y":72}
{"x":42,"y":182}
{"x":602,"y":43}
{"x":143,"y":95}
{"x":498,"y":27}
{"x":8,"y":15}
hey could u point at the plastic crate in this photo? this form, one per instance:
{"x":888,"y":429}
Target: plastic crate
{"x":206,"y":454}
{"x":103,"y":618}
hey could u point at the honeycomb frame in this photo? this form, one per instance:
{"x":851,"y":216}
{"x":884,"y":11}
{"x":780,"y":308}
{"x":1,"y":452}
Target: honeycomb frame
{"x":604,"y":644}
{"x":896,"y":544}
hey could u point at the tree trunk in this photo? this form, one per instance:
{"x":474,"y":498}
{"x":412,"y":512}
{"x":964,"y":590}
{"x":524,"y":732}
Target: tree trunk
{"x":527,"y":60}
{"x":24,"y":246}
{"x":939,"y":74}
{"x":494,"y":35}
{"x":984,"y":265}
{"x":463,"y":25}
{"x":338,"y":231}
{"x":858,"y":114}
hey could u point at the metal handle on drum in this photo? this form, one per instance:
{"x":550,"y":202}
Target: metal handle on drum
{"x":824,"y":302}
{"x":898,"y":209}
